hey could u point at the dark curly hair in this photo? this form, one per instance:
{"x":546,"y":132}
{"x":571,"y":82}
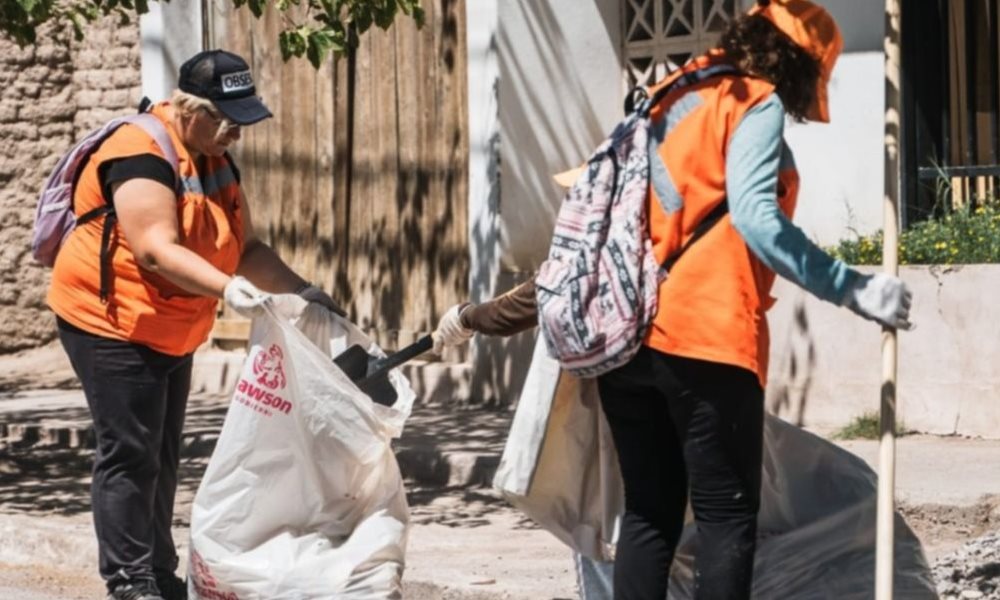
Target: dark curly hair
{"x":758,"y":48}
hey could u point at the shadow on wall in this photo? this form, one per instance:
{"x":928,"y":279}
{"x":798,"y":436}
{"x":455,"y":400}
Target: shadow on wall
{"x":789,"y":393}
{"x":392,"y":258}
{"x":361,"y":175}
{"x":549,"y":115}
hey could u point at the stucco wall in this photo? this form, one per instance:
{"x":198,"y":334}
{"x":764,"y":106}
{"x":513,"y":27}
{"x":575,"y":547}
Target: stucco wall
{"x":841,"y":163}
{"x":826,"y":362}
{"x":49,"y":96}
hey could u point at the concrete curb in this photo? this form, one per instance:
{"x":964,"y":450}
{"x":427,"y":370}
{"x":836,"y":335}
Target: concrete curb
{"x":421,"y":465}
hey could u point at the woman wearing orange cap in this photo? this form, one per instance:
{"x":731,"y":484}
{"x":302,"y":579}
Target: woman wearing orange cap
{"x":163,"y":233}
{"x":687,"y":412}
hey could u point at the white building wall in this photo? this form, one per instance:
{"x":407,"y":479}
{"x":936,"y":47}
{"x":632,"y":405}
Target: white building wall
{"x":561,"y":90}
{"x":841,"y":164}
{"x":171,"y":33}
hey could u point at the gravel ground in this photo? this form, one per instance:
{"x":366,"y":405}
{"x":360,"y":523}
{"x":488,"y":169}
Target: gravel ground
{"x":972,"y":571}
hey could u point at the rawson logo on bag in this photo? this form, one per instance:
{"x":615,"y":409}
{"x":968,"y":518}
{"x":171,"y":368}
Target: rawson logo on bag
{"x":236,"y":82}
{"x":204,"y":581}
{"x":268,"y":375}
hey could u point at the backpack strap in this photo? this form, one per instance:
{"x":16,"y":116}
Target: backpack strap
{"x":155,"y":129}
{"x":701,"y":229}
{"x":646,"y":104}
{"x":687,"y":79}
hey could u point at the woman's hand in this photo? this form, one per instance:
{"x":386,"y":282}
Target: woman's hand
{"x":881,"y":298}
{"x":244,"y":297}
{"x":450,"y":331}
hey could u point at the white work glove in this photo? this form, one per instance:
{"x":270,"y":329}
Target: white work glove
{"x":450,"y":331}
{"x":244,"y":297}
{"x":881,"y":298}
{"x":311,"y":293}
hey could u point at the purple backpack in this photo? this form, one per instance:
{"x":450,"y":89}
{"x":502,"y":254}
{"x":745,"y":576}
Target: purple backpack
{"x":55,"y":218}
{"x":597,"y":291}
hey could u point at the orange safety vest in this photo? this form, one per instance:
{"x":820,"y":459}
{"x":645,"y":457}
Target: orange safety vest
{"x":712,"y":306}
{"x":144,"y":307}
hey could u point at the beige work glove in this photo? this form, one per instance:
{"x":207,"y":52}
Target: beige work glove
{"x":244,"y":297}
{"x":450,"y":331}
{"x":881,"y":298}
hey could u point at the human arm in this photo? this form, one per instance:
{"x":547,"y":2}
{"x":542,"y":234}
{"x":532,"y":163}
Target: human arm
{"x":260,"y":264}
{"x":147,"y":214}
{"x":505,"y":315}
{"x":752,"y":164}
{"x":146,"y":211}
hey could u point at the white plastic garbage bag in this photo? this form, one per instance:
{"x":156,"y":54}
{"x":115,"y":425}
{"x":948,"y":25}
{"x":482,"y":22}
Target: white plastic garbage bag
{"x":816,"y":526}
{"x":303,"y":497}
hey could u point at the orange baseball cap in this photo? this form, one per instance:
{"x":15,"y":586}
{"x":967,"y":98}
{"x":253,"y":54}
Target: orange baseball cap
{"x":811,"y":27}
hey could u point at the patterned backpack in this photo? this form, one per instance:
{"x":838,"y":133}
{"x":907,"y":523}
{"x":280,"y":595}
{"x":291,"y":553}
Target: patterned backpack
{"x":55,"y":218}
{"x":597,"y":291}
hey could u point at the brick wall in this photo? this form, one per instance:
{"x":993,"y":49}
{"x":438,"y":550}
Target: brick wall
{"x":49,"y":96}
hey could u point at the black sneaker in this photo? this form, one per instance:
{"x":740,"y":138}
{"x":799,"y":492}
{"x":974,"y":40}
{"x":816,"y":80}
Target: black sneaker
{"x":171,"y":586}
{"x":140,"y":589}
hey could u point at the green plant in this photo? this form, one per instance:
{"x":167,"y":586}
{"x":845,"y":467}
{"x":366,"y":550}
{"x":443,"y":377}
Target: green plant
{"x":966,"y":235}
{"x":311,"y":28}
{"x":864,"y":427}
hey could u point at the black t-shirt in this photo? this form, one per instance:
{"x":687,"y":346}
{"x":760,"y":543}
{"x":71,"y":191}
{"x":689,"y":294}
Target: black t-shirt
{"x":142,"y":166}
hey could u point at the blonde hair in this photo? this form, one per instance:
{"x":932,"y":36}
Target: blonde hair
{"x":187,"y":104}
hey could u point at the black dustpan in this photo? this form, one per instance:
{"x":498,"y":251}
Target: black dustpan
{"x":371,"y":373}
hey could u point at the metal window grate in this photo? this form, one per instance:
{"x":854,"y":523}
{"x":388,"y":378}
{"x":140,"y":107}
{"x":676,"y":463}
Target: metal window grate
{"x":951,"y":96}
{"x":661,"y":35}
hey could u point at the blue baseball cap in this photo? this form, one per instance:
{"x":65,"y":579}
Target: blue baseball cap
{"x":224,"y":79}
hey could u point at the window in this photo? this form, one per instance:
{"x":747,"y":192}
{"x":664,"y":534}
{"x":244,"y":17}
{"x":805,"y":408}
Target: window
{"x":661,"y":35}
{"x":951,"y":105}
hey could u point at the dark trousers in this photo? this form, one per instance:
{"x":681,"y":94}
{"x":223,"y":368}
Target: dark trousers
{"x":137,"y":398}
{"x":685,"y":426}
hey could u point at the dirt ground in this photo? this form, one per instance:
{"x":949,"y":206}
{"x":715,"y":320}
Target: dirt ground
{"x":942,"y":529}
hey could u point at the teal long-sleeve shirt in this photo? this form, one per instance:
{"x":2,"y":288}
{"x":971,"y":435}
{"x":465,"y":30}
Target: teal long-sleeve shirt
{"x":752,"y":163}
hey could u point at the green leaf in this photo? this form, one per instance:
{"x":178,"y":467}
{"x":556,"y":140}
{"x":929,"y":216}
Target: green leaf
{"x":285,"y":44}
{"x":256,"y":7}
{"x":418,"y":15}
{"x":385,"y":14}
{"x":328,"y":8}
{"x":28,"y":6}
{"x":361,"y":17}
{"x":74,"y":18}
{"x":142,"y":6}
{"x":321,"y":42}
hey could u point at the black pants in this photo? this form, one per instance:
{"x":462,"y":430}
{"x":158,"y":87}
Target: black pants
{"x":137,"y":398}
{"x":682,"y":425}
